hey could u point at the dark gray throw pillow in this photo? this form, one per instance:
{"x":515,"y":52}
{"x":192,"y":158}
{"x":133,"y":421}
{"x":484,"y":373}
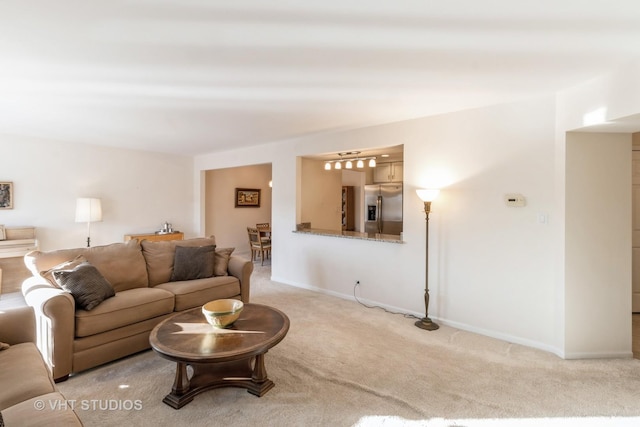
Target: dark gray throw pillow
{"x":85,"y":283}
{"x":193,"y":262}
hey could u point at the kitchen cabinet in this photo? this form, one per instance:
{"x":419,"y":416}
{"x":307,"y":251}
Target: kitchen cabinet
{"x":348,"y":206}
{"x":388,"y":172}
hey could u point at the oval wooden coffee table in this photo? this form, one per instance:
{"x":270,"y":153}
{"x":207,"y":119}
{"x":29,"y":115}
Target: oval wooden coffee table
{"x":231,"y":357}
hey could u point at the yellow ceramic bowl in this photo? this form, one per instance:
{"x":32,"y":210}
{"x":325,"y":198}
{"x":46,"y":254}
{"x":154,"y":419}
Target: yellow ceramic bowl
{"x":222,"y":312}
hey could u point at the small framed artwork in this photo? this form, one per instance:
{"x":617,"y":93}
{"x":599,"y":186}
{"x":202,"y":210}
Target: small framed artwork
{"x":3,"y":235}
{"x":247,"y":198}
{"x":6,"y":195}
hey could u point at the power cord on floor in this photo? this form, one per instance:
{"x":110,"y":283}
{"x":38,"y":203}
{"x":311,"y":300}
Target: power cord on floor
{"x":406,"y":315}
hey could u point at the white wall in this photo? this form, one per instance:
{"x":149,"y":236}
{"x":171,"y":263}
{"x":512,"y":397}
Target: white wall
{"x":607,"y":98}
{"x":139,"y":190}
{"x":596,"y":319}
{"x":493,"y":263}
{"x":490,"y":264}
{"x":598,"y":245}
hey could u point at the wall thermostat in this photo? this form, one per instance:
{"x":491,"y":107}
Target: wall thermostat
{"x":515,"y":200}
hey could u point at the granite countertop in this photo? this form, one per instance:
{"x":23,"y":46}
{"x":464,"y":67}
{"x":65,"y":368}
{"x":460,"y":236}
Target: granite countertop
{"x":391,"y":238}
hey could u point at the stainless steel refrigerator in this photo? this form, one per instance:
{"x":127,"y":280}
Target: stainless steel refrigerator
{"x":383,"y":208}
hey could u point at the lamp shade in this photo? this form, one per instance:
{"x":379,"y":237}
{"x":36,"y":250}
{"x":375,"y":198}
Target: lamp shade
{"x":427,"y":194}
{"x":88,"y":210}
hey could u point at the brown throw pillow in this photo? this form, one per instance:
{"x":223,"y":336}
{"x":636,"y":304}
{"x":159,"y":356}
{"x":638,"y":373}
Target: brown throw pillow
{"x":192,"y":262}
{"x":4,"y":346}
{"x":221,"y":261}
{"x":85,"y":283}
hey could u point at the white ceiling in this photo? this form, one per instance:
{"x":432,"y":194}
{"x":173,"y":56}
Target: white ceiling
{"x":195,"y":76}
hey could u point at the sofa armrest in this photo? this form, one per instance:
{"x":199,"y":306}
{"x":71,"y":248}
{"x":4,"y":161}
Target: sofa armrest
{"x":54,"y":311}
{"x":17,"y":325}
{"x":241,"y":268}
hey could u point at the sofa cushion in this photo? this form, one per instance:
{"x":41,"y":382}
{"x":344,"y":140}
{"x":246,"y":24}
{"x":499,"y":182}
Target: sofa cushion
{"x":122,"y":264}
{"x":160,"y":256}
{"x":85,"y":283}
{"x":39,"y":262}
{"x":57,"y":411}
{"x":193,"y":263}
{"x":66,"y":265}
{"x":125,"y":308}
{"x":23,"y":375}
{"x":221,"y":261}
{"x":195,"y":293}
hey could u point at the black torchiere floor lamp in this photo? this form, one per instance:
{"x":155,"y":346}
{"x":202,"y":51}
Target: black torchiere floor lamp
{"x":427,"y":196}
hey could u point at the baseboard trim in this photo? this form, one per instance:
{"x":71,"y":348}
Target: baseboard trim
{"x":505,"y":337}
{"x":604,"y":355}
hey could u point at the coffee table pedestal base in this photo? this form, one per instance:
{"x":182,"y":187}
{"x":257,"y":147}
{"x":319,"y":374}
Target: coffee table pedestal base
{"x":248,"y":373}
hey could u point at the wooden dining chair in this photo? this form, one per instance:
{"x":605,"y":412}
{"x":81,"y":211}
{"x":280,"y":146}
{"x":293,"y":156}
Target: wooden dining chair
{"x":257,"y":245}
{"x":265,"y":231}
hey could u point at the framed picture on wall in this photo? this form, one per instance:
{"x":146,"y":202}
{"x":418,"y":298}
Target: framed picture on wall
{"x":247,"y":198}
{"x":6,"y":195}
{"x":3,"y":235}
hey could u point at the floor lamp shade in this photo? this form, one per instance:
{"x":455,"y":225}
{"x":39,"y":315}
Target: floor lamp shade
{"x":88,"y":210}
{"x":427,"y":194}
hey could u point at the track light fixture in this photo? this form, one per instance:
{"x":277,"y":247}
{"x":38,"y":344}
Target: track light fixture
{"x":348,"y":158}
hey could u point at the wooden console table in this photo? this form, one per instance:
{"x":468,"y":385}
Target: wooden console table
{"x":155,"y":237}
{"x":19,"y":241}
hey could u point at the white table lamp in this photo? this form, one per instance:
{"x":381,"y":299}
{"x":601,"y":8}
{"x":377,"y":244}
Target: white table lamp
{"x":88,"y":210}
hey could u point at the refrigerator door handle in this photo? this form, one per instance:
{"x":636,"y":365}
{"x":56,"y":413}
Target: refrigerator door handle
{"x":379,"y":217}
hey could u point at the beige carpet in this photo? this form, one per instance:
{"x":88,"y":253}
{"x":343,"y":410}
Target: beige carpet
{"x":343,"y":364}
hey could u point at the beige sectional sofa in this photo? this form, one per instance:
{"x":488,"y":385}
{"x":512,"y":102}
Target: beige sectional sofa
{"x":146,"y":291}
{"x":28,"y":395}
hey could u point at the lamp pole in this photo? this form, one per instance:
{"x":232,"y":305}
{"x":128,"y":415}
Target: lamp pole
{"x":425,"y":322}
